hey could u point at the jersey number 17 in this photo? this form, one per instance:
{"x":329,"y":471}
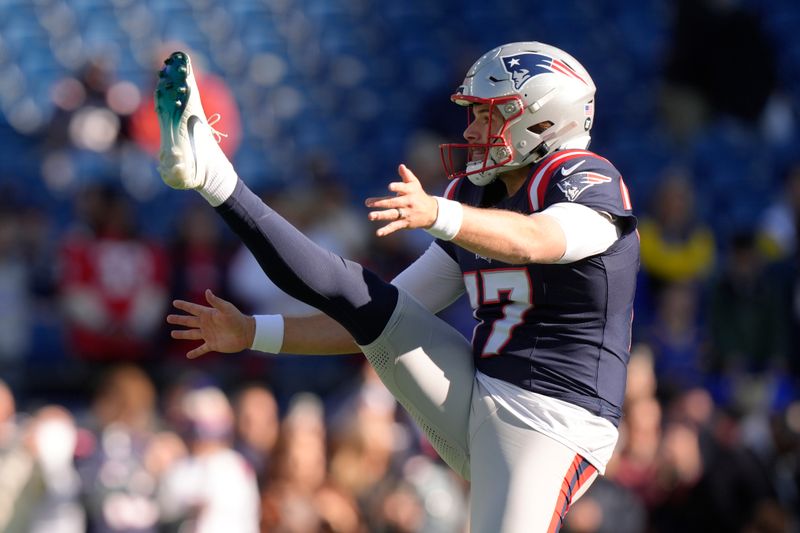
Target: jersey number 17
{"x":512,"y":283}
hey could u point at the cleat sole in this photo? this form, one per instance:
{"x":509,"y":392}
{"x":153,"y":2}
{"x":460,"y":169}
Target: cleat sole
{"x":172,"y":91}
{"x":171,"y":98}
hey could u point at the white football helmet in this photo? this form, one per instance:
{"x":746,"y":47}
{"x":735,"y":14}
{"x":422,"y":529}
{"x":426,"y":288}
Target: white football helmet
{"x":546,"y":98}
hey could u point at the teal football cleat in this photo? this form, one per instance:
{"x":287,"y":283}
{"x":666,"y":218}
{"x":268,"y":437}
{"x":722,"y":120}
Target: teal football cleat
{"x":190,"y":152}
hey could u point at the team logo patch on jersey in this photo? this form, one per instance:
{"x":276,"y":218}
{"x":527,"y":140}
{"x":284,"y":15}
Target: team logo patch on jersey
{"x":527,"y":65}
{"x":574,"y":185}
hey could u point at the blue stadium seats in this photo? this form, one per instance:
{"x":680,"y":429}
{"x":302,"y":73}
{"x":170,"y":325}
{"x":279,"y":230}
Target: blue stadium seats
{"x":408,"y":51}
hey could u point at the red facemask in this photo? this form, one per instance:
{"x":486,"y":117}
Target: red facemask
{"x":501,"y":139}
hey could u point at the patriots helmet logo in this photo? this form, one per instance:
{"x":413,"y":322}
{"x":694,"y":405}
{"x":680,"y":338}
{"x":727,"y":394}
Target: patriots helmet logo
{"x":572,"y":186}
{"x":526,"y":65}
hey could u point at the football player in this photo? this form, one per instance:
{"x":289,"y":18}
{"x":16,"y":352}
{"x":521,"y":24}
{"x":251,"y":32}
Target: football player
{"x":536,"y":229}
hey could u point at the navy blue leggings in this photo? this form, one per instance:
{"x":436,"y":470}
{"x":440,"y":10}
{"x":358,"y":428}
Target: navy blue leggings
{"x":344,"y":290}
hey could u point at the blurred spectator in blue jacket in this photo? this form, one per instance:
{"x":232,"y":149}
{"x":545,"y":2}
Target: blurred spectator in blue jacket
{"x":679,"y":343}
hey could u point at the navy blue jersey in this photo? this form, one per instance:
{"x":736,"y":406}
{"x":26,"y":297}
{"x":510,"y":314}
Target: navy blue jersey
{"x":563,"y":330}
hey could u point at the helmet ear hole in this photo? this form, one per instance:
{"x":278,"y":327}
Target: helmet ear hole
{"x":539,"y":128}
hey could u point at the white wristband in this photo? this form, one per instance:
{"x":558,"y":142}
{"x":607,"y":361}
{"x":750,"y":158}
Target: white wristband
{"x":269,"y":333}
{"x":448,"y":220}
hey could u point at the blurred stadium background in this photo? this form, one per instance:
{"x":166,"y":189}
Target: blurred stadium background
{"x":105,"y":427}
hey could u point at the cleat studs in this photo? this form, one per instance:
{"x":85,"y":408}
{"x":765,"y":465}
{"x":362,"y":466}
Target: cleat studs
{"x":179,"y":55}
{"x":178,"y":103}
{"x":183,"y":70}
{"x":182,"y":89}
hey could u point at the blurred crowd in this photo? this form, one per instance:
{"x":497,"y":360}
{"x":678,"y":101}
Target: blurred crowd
{"x":106,"y":427}
{"x":194,"y":458}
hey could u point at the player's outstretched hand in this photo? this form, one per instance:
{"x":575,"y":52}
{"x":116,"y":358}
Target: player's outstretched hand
{"x":221,"y":327}
{"x":411,"y":207}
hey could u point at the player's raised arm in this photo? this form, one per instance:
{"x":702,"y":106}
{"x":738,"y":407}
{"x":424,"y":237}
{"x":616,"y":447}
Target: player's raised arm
{"x":496,"y":233}
{"x":223,"y":328}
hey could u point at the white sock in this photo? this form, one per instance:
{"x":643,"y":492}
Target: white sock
{"x":220,"y":181}
{"x":220,"y":178}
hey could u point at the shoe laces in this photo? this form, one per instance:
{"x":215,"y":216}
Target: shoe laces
{"x":218,"y":135}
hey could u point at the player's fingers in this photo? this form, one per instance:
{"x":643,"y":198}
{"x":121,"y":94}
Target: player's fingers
{"x":407,"y":175}
{"x":401,"y":187}
{"x":189,"y":321}
{"x":190,"y":307}
{"x":187,"y":334}
{"x":390,"y":228}
{"x":217,"y":302}
{"x":370,"y":202}
{"x":387,"y":214}
{"x":197,"y":352}
{"x":389,"y":203}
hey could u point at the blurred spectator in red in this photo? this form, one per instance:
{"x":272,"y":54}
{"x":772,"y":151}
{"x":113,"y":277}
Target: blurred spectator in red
{"x":675,"y":245}
{"x":213,"y":489}
{"x":747,"y":324}
{"x":257,"y":425}
{"x":113,"y":284}
{"x":217,"y":100}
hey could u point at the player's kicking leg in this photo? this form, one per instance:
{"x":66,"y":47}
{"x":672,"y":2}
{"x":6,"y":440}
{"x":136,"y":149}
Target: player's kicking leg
{"x":424,"y":362}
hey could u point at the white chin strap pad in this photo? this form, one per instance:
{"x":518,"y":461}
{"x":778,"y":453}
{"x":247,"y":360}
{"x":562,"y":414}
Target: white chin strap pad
{"x":481,"y":178}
